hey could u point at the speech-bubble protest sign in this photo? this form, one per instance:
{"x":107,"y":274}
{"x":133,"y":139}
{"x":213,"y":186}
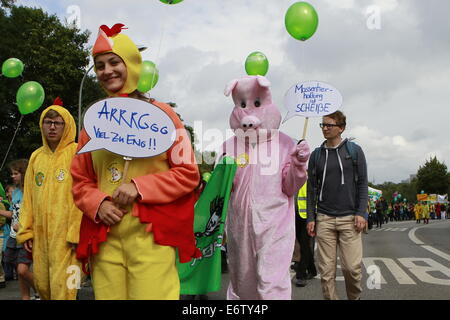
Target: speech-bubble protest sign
{"x":311,"y":99}
{"x":128,"y":127}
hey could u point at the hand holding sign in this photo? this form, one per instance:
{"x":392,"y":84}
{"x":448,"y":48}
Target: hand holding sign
{"x":125,"y":194}
{"x":131,"y":128}
{"x":109,"y":214}
{"x":128,"y":127}
{"x":311,"y":99}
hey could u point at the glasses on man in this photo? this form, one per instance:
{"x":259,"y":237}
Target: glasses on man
{"x":328,"y":125}
{"x":57,"y":124}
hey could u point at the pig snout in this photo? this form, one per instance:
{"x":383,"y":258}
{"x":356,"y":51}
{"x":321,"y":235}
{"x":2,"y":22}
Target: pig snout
{"x":250,"y":122}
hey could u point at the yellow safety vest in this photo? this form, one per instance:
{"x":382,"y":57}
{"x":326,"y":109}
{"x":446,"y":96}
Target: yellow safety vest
{"x":301,"y":201}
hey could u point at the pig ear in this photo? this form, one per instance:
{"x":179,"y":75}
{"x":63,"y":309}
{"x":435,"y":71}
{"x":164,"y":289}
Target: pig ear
{"x":263,"y":81}
{"x":230,"y":86}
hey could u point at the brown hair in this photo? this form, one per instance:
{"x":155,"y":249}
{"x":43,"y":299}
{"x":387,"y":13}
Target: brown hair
{"x":19,"y":165}
{"x":141,"y":96}
{"x":52,"y":114}
{"x":339,"y":117}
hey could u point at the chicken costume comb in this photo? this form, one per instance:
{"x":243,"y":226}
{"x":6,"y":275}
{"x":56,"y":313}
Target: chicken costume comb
{"x":111,"y":40}
{"x":58,"y":102}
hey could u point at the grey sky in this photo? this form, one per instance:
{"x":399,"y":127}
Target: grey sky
{"x":394,"y":80}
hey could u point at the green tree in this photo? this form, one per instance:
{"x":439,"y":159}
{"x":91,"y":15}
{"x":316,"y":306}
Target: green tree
{"x":56,"y":56}
{"x":188,"y":128}
{"x":204,"y":160}
{"x":388,"y":189}
{"x":407,"y":190}
{"x":433,"y":177}
{"x":7,"y":3}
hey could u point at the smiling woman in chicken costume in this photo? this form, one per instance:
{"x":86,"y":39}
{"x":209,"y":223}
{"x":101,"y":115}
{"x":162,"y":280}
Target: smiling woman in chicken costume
{"x":130,"y":228}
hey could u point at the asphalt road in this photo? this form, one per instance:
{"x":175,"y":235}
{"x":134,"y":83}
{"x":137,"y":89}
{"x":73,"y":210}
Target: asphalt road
{"x":403,"y":261}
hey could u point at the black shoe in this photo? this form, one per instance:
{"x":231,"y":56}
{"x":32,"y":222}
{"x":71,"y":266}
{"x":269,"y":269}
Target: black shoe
{"x":311,"y":276}
{"x":224,"y":267}
{"x":2,"y":284}
{"x":300,"y":283}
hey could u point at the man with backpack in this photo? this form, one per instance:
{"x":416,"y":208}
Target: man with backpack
{"x":337,"y":202}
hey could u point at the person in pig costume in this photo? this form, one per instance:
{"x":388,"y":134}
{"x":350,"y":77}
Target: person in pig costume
{"x":271,"y":169}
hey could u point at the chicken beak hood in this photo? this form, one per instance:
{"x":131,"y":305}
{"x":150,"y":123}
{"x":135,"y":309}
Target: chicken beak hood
{"x":110,"y":40}
{"x":70,"y":131}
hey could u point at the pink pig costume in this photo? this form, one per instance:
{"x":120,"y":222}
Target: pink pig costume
{"x":271,"y":169}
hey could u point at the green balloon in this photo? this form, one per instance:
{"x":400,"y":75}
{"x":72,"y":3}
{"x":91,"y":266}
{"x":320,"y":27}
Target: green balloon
{"x":256,"y":64}
{"x":12,"y":68}
{"x":301,"y":20}
{"x":171,"y":1}
{"x":30,"y":97}
{"x":149,"y":76}
{"x":206,"y":176}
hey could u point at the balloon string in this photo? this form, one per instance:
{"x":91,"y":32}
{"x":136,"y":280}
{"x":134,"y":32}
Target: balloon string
{"x":302,"y":56}
{"x":12,"y":140}
{"x":80,"y":97}
{"x":161,"y":38}
{"x":302,"y":62}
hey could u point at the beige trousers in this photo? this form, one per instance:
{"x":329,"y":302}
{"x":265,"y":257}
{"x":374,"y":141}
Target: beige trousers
{"x":334,"y":232}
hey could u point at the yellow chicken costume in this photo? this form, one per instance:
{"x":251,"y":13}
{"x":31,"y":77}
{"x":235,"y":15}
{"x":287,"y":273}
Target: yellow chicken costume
{"x":49,"y":215}
{"x":418,"y":211}
{"x":126,"y":260}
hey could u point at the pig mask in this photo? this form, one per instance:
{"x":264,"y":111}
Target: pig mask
{"x":253,"y":106}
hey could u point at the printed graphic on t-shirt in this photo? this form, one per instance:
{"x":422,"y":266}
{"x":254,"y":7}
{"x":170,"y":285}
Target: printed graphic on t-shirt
{"x":14,"y":219}
{"x":61,"y":175}
{"x":39,"y":178}
{"x":115,"y":174}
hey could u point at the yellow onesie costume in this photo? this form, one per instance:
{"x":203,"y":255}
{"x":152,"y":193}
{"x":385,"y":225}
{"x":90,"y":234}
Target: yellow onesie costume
{"x":129,"y":263}
{"x":418,"y":211}
{"x":49,"y":216}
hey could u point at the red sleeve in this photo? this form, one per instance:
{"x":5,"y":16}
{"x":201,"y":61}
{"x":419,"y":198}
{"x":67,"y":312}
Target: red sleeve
{"x":86,"y":194}
{"x":182,"y":177}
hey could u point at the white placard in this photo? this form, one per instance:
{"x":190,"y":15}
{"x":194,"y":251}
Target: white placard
{"x":311,"y":99}
{"x":128,"y":127}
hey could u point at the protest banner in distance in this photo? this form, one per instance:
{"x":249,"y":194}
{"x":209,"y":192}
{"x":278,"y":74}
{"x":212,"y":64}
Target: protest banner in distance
{"x":422,"y":197}
{"x":128,"y":127}
{"x":311,"y":99}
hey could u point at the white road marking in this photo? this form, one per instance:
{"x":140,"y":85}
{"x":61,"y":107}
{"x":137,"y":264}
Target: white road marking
{"x":423,"y":273}
{"x":437,"y":252}
{"x":413,"y":237}
{"x":390,"y":229}
{"x":397,"y":272}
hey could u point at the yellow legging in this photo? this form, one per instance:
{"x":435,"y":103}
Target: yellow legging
{"x":131,"y":266}
{"x":418,"y":214}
